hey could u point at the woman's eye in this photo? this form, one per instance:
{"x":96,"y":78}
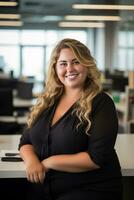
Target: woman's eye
{"x":63,"y":64}
{"x":76,"y":62}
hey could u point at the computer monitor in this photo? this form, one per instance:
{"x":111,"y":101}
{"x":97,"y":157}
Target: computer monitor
{"x":6,"y":102}
{"x":25,"y":90}
{"x":8,"y":83}
{"x":119,"y":83}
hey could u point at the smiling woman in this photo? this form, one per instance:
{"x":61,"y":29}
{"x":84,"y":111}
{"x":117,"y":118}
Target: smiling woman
{"x":69,"y":70}
{"x":68,"y":144}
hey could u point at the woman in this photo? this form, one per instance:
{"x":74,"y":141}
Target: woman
{"x":68,"y":144}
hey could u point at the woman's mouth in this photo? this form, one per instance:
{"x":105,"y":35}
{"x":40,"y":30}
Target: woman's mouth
{"x":71,"y":76}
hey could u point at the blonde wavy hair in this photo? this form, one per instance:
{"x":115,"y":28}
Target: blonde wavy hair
{"x":54,"y":88}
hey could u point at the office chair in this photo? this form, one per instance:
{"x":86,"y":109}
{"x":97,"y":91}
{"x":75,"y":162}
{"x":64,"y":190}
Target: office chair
{"x":6,"y":110}
{"x":6,"y":102}
{"x":8,"y":83}
{"x":24,"y":90}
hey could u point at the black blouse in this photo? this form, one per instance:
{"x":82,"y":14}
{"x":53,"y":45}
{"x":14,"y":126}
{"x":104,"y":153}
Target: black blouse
{"x":64,"y":138}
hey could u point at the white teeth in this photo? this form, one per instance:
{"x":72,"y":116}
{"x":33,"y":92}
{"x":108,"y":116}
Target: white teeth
{"x":71,"y":75}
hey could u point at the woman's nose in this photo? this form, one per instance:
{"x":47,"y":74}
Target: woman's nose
{"x":69,"y":66}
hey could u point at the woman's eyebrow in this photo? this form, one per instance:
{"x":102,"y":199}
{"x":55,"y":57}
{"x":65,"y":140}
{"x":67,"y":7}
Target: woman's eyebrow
{"x":67,"y":61}
{"x":62,"y":61}
{"x":75,"y":59}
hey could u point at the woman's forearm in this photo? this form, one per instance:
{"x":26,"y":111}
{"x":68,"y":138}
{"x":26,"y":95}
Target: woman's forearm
{"x":79,"y":162}
{"x":27,"y":153}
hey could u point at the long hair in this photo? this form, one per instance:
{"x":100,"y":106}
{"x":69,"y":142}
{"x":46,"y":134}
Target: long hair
{"x":54,"y":88}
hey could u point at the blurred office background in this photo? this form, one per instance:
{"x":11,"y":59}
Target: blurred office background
{"x":29,"y":29}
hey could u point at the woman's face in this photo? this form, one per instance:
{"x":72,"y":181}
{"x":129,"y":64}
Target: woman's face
{"x":69,"y":71}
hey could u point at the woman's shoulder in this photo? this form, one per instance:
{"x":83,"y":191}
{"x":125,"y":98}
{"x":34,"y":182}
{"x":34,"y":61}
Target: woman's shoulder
{"x":102,"y":98}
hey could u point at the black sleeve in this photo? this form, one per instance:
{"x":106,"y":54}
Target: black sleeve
{"x":25,"y":138}
{"x":104,"y":130}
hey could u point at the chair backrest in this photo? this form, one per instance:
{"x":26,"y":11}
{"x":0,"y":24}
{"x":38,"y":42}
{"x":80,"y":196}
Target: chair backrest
{"x":8,"y":83}
{"x":6,"y":102}
{"x":24,"y":90}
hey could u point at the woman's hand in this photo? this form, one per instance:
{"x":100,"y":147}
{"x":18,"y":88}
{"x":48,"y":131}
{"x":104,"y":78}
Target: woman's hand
{"x":35,"y":171}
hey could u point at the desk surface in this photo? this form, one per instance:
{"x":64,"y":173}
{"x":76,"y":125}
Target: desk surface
{"x":20,"y":120}
{"x":18,"y":103}
{"x":11,"y":169}
{"x":124,"y":148}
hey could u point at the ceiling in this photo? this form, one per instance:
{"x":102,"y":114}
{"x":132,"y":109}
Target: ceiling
{"x":46,"y":14}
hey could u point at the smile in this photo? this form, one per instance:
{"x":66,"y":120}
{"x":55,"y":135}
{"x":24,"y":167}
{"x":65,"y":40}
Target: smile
{"x":71,"y":75}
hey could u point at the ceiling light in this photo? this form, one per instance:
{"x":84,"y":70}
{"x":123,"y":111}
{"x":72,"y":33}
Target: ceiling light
{"x":8,"y":3}
{"x":9,"y":16}
{"x":103,"y":6}
{"x":11,"y":23}
{"x":92,"y":17}
{"x":82,"y":24}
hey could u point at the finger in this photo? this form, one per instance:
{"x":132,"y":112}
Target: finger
{"x":41,"y":177}
{"x":36,"y":178}
{"x":28,"y":177}
{"x":31,"y":177}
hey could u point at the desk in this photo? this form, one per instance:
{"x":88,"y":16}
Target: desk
{"x":9,"y":142}
{"x":124,"y":147}
{"x":21,"y":106}
{"x":20,"y":120}
{"x":18,"y":105}
{"x":11,"y":169}
{"x":21,"y":103}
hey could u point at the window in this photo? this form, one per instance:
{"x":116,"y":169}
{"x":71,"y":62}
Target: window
{"x":9,"y":51}
{"x":79,"y":35}
{"x":32,"y":37}
{"x":11,"y":56}
{"x":9,"y":37}
{"x":126,"y":50}
{"x":32,"y":61}
{"x":27,"y":52}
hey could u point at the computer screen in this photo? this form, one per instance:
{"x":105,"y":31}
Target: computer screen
{"x":6,"y":102}
{"x":119,"y":83}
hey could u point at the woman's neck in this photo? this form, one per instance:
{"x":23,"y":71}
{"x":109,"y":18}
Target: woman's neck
{"x":72,"y":94}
